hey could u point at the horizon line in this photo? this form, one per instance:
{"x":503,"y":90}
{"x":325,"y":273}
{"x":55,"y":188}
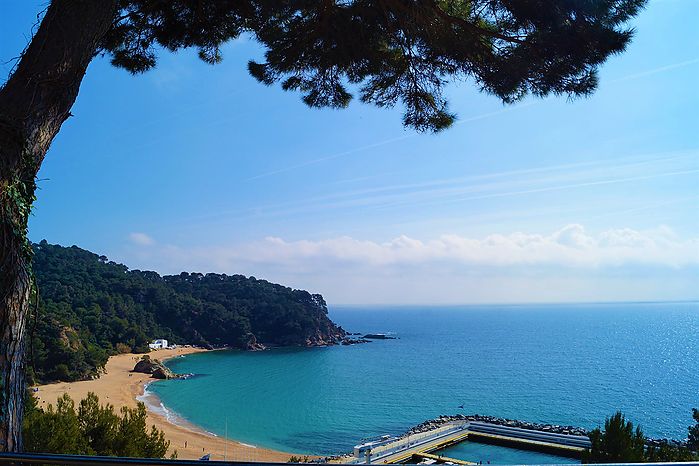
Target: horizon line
{"x":532,"y":303}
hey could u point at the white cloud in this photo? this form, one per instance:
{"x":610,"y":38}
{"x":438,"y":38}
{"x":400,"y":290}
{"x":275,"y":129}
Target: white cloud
{"x":141,"y":239}
{"x":570,"y":246}
{"x":569,"y":264}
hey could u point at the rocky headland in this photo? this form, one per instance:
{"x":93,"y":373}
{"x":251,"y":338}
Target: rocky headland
{"x":203,"y":310}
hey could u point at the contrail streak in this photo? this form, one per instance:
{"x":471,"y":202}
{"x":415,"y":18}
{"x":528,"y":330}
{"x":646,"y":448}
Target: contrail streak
{"x":549,"y":188}
{"x":428,"y":192}
{"x":440,"y":197}
{"x":643,"y":207}
{"x":381,"y":143}
{"x":460,"y":122}
{"x":329,"y":157}
{"x":343,"y":198}
{"x":656,"y":70}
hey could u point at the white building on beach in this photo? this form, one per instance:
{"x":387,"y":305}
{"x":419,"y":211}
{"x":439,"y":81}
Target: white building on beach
{"x":158,"y":344}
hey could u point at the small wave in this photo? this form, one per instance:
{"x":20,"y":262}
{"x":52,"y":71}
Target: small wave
{"x":154,"y":405}
{"x":247,"y":445}
{"x":146,"y":395}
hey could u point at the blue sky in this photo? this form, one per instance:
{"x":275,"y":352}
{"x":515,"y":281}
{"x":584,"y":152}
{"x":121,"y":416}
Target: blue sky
{"x":194,"y":167}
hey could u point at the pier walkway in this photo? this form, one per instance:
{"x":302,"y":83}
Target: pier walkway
{"x":415,"y":447}
{"x":439,"y":459}
{"x":400,"y":450}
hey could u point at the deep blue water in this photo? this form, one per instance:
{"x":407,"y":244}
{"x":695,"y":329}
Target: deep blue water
{"x":560,"y":364}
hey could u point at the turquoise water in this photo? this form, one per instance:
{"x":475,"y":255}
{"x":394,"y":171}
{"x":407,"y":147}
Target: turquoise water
{"x":572,"y":364}
{"x":475,"y":452}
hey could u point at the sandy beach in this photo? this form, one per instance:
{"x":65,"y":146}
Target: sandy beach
{"x":120,"y":387}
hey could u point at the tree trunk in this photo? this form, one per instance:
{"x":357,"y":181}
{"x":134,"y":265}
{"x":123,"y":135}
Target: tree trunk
{"x":15,"y":286}
{"x":34,"y":103}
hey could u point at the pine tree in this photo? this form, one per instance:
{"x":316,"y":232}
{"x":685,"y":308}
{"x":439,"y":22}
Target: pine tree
{"x":55,"y":430}
{"x":693,"y":438}
{"x":617,"y":443}
{"x":93,"y":429}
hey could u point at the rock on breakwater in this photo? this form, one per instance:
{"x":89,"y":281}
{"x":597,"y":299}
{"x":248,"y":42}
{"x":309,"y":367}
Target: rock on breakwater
{"x":552,"y":428}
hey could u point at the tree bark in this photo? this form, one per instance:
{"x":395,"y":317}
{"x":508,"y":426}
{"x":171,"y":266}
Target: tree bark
{"x":34,"y":103}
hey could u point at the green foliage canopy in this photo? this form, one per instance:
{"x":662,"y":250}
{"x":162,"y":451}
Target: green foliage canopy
{"x":391,"y":51}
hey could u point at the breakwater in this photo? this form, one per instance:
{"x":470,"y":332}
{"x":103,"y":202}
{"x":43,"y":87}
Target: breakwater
{"x":449,"y":431}
{"x":549,"y":428}
{"x":446,"y":431}
{"x":571,"y":446}
{"x":441,"y":420}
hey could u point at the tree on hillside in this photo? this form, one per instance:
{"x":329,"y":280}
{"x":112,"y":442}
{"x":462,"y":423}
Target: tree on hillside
{"x":617,"y":443}
{"x":91,"y":308}
{"x":389,"y":51}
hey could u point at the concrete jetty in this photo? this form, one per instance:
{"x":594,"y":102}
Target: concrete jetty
{"x":546,"y":442}
{"x":437,"y":459}
{"x":413,"y":447}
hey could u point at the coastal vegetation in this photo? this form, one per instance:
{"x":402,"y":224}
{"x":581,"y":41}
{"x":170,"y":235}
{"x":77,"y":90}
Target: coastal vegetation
{"x":91,"y":429}
{"x":693,"y":437}
{"x":90,"y":308}
{"x":620,"y":442}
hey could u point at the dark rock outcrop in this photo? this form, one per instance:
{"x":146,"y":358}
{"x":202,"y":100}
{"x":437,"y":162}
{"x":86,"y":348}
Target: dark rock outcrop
{"x":253,"y":345}
{"x":379,"y":336}
{"x":155,"y":368}
{"x":354,"y":341}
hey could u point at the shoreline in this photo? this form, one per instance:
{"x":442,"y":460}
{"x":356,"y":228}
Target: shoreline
{"x":119,"y":387}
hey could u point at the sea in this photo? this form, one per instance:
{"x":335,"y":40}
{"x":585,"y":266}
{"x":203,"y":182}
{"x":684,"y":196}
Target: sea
{"x":572,"y":364}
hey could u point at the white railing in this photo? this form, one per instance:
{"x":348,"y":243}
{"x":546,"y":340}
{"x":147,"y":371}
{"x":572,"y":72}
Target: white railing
{"x":414,"y":440}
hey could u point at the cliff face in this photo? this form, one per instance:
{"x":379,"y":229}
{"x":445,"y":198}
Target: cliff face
{"x":323,"y":340}
{"x":111,"y":309}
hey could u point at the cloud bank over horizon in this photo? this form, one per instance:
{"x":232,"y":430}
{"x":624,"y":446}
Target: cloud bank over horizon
{"x":569,"y":264}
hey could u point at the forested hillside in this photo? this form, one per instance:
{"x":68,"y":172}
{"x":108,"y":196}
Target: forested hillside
{"x":90,"y":308}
